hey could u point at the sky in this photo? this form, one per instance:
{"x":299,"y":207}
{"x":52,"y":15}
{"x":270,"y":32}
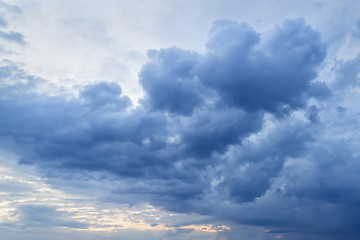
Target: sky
{"x":171,"y":120}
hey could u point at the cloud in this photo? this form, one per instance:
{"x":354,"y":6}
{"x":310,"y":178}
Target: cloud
{"x":255,"y":164}
{"x":10,"y":8}
{"x":347,"y":74}
{"x":244,"y":132}
{"x":9,"y":36}
{"x":12,"y":37}
{"x":216,"y":130}
{"x":273,"y":75}
{"x":3,"y":23}
{"x":80,"y":134}
{"x":169,"y":82}
{"x":356,"y":32}
{"x":105,"y":95}
{"x":45,"y":216}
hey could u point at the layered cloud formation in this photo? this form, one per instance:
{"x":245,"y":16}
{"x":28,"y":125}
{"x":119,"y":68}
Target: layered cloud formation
{"x":244,"y":132}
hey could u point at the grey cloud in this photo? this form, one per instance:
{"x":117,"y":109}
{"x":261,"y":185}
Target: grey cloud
{"x":347,"y":74}
{"x":9,"y":7}
{"x":12,"y":37}
{"x":233,"y":133}
{"x":273,"y":76}
{"x":255,"y":164}
{"x":45,"y":216}
{"x":169,"y":82}
{"x":105,"y":95}
{"x":3,"y":23}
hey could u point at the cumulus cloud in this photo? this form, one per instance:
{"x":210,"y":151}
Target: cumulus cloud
{"x":105,"y":95}
{"x":273,"y":75}
{"x":169,"y":82}
{"x":230,"y":133}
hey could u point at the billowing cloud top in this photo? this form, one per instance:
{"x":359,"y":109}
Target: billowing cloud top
{"x":242,"y":132}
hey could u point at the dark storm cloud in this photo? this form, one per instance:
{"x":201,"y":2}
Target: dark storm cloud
{"x":169,"y":82}
{"x":255,"y":164}
{"x":91,"y":134}
{"x":274,"y":75}
{"x":214,"y":130}
{"x":233,"y":133}
{"x":333,"y":160}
